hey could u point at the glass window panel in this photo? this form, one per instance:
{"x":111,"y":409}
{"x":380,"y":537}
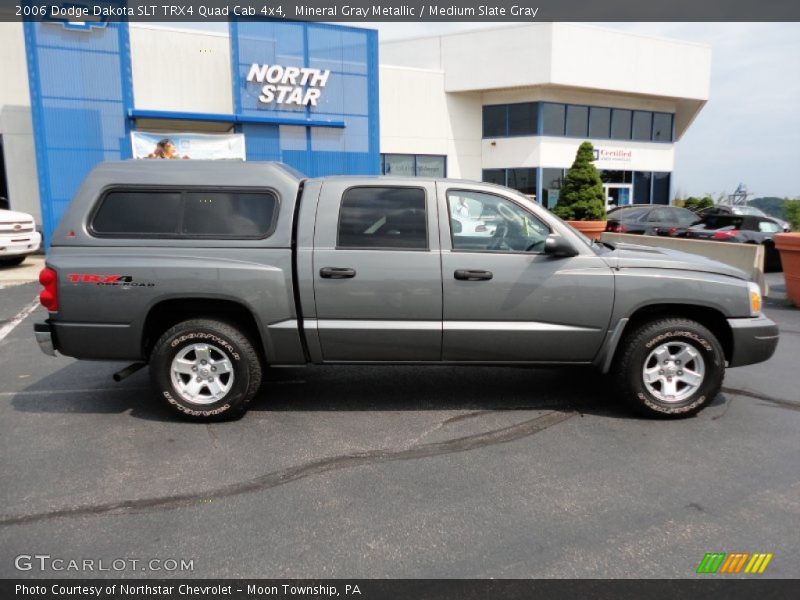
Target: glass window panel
{"x":642,"y":125}
{"x":497,"y":176}
{"x":551,"y":186}
{"x":229,"y":214}
{"x":430,"y":166}
{"x":641,"y":187}
{"x":383,"y":217}
{"x":495,"y":121}
{"x":399,"y":165}
{"x":577,"y":121}
{"x":522,"y":119}
{"x":662,"y":127}
{"x":620,"y":124}
{"x":489,"y":223}
{"x":553,"y":116}
{"x":599,"y":122}
{"x":138,"y":212}
{"x":523,"y":180}
{"x":661,"y":188}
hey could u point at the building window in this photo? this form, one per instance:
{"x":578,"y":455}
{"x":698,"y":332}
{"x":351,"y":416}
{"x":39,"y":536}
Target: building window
{"x":642,"y":125}
{"x":553,"y":116}
{"x":641,"y":187}
{"x":411,"y":165}
{"x":599,"y":122}
{"x":620,"y":124}
{"x":497,"y":176}
{"x":577,"y":121}
{"x":522,"y":180}
{"x":383,"y":217}
{"x":551,"y":186}
{"x":662,"y":127}
{"x":661,"y":188}
{"x":495,"y":121}
{"x":522,"y":119}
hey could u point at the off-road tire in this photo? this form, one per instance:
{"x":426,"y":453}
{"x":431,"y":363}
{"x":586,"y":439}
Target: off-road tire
{"x":627,"y":370}
{"x":237,"y":348}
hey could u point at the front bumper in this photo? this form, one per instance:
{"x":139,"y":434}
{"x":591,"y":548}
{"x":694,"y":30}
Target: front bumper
{"x":44,"y":337}
{"x":754,"y":340}
{"x":23,"y":243}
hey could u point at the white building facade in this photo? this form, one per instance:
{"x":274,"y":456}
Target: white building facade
{"x":512,"y":104}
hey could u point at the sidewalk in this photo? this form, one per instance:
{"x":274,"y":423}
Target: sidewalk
{"x":27,"y":272}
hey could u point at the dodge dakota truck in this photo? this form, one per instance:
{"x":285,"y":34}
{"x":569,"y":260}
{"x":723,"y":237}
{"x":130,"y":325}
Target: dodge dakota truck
{"x":210,"y":272}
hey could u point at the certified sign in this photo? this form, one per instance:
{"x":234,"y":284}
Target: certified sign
{"x":300,"y":86}
{"x":614,"y":155}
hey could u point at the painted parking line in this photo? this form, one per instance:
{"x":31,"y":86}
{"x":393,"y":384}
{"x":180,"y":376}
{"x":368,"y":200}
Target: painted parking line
{"x":18,"y":318}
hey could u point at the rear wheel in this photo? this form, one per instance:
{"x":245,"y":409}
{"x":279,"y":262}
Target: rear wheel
{"x":669,"y":368}
{"x":12,"y":261}
{"x":206,"y":370}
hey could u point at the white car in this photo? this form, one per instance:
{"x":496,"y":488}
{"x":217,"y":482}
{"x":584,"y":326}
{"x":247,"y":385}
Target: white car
{"x":18,"y":237}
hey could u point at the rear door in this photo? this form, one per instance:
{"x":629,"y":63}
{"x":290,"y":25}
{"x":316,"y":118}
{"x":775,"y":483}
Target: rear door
{"x":504,"y":300}
{"x":377,"y":272}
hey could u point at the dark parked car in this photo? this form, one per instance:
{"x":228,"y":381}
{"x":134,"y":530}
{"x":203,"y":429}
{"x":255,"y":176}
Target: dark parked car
{"x":743,"y":229}
{"x":650,"y":219}
{"x":727,"y":209}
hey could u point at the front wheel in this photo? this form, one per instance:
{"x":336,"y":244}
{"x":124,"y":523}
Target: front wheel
{"x":206,"y":370}
{"x":669,"y":368}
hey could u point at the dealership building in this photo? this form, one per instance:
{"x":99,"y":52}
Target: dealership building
{"x":508,"y":104}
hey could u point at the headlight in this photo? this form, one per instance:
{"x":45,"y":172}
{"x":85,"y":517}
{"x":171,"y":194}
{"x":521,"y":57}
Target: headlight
{"x":754,"y":292}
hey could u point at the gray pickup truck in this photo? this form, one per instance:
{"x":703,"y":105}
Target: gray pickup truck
{"x":212,"y":271}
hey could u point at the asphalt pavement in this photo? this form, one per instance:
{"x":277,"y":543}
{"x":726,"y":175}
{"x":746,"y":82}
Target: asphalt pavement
{"x":393,"y":471}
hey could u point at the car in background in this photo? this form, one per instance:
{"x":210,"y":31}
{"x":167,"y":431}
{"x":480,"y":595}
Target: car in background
{"x":650,"y":219}
{"x":742,"y":229}
{"x":18,"y":237}
{"x":727,"y":209}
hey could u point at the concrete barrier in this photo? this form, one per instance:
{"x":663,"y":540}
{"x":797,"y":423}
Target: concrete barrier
{"x":747,"y":257}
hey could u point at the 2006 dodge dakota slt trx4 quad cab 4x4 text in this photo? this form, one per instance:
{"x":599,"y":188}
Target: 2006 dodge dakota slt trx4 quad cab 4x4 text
{"x":211,"y":271}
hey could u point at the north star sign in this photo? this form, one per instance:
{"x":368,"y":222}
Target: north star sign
{"x":300,"y":86}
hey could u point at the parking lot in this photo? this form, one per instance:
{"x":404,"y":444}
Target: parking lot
{"x":394,"y":471}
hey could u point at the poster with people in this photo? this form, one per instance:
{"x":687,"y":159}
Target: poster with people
{"x":182,"y":146}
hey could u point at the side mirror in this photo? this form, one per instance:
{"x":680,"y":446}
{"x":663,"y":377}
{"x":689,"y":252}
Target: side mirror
{"x":557,"y":246}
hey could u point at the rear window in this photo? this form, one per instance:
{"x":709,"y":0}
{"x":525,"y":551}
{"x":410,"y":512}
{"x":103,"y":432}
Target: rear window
{"x":189,"y":213}
{"x":383,"y":217}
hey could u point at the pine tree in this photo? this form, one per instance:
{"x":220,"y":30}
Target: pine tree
{"x":582,"y":197}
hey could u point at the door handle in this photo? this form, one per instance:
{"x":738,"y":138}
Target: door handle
{"x":472,"y":275}
{"x":337,"y":273}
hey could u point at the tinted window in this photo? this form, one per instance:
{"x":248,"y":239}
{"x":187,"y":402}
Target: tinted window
{"x":551,"y":186}
{"x":662,"y":127}
{"x":522,"y":119}
{"x":642,"y":125}
{"x":686,"y":217}
{"x":660,"y":188}
{"x":522,"y":180}
{"x":628,"y":213}
{"x":659,"y":214}
{"x":494,"y":121}
{"x":139,"y":212}
{"x":497,"y":176}
{"x":383,"y":217}
{"x":620,"y":124}
{"x":599,"y":122}
{"x":641,"y":187}
{"x":228,"y":214}
{"x":577,"y":121}
{"x":488,"y":223}
{"x":553,"y":118}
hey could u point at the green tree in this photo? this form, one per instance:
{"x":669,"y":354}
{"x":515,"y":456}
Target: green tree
{"x":693,"y":203}
{"x":582,"y":197}
{"x":791,"y":208}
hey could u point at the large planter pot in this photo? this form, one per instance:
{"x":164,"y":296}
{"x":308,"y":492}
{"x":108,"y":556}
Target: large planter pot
{"x":591,"y":229}
{"x":789,"y":246}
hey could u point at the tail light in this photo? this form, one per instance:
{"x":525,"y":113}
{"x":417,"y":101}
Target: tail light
{"x":723,"y":235}
{"x":49,"y":295}
{"x":673,"y":231}
{"x":616,"y":228}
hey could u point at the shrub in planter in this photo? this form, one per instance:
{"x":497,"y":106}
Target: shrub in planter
{"x":582,"y":201}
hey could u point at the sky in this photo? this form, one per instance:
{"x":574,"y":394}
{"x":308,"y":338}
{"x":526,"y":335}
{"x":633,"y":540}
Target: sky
{"x":748,"y":132}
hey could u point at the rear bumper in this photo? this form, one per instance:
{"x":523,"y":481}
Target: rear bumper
{"x":44,"y":337}
{"x":23,"y":243}
{"x":754,"y":340}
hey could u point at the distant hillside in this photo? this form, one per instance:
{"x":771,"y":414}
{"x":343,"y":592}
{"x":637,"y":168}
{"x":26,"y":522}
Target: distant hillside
{"x":771,"y":205}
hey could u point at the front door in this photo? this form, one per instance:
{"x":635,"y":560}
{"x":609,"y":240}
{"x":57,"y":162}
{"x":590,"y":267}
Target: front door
{"x":506,"y":301}
{"x":618,"y":194}
{"x":377,"y":272}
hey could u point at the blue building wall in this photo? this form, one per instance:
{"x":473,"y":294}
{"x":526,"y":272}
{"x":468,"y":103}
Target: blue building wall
{"x":82,"y":101}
